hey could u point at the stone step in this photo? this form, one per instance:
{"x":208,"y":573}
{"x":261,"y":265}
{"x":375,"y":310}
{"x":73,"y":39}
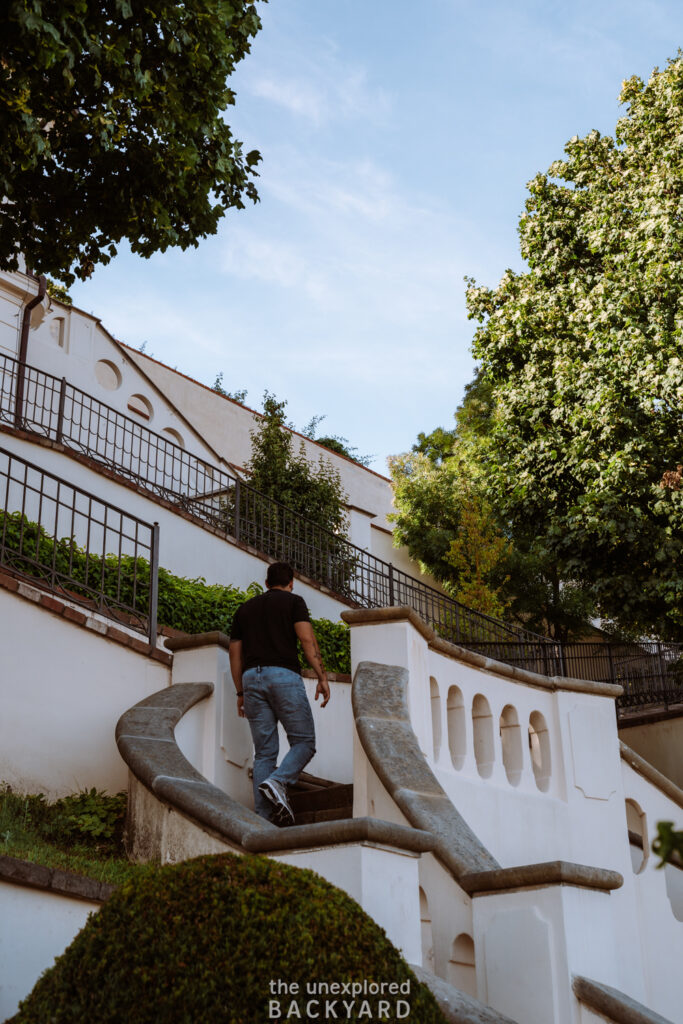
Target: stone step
{"x":324,"y":814}
{"x":329,"y":798}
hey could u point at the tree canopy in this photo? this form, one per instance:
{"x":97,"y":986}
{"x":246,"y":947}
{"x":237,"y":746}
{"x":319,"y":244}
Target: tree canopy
{"x":111,"y":121}
{"x":277,"y":471}
{"x":584,"y":356}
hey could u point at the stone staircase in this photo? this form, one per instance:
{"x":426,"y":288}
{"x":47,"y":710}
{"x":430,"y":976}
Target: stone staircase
{"x":315,"y":799}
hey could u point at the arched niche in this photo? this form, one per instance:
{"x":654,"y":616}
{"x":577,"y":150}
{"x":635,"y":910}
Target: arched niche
{"x":141,"y":406}
{"x":457,"y":726}
{"x":539,"y":746}
{"x":511,"y":743}
{"x":174,"y":436}
{"x":461,"y":967}
{"x":427,"y":933}
{"x":482,"y":727}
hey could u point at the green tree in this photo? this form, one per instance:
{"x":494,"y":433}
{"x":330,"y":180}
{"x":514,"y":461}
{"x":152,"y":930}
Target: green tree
{"x":447,"y":518}
{"x":280,"y":473}
{"x":111,"y":120}
{"x":584,"y":356}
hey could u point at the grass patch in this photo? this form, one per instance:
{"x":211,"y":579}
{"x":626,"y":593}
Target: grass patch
{"x":82,"y":833}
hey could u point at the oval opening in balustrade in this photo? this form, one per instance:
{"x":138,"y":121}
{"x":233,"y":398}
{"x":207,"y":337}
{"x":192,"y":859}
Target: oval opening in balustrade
{"x":427,"y":933}
{"x":636,"y":823}
{"x":539,"y":746}
{"x":108,"y":375}
{"x":436,"y":715}
{"x":457,"y":726}
{"x":482,"y":722}
{"x":461,"y":968}
{"x":511,"y":742}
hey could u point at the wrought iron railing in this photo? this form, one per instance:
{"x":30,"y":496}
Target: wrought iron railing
{"x":88,"y":550}
{"x":54,"y":408}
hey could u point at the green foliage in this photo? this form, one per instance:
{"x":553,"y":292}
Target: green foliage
{"x":334,"y":641}
{"x":239,"y":395}
{"x":668,"y":844}
{"x":62,"y":835}
{"x":584,"y":356}
{"x":200,"y":942}
{"x":276,"y":471}
{"x":88,"y":818}
{"x":477,"y":554}
{"x":448,"y":518}
{"x":111,"y":119}
{"x":335,"y":442}
{"x":59,"y":292}
{"x":190,"y":605}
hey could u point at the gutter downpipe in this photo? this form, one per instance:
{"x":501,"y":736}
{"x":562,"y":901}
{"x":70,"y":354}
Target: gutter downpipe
{"x":23,"y":349}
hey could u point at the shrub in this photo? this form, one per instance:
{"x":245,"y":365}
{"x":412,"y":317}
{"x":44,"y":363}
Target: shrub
{"x":90,"y":818}
{"x":199,"y":943}
{"x":191,"y":605}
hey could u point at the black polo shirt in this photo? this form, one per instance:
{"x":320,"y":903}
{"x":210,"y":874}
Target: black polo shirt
{"x":265,"y":625}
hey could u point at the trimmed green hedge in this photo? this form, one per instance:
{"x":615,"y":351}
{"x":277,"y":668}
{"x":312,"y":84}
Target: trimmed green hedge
{"x":191,"y":605}
{"x":200,"y":942}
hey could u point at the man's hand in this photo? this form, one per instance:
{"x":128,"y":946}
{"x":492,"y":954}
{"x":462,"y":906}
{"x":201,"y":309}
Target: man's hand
{"x":240,"y":707}
{"x":323,"y":690}
{"x":304,"y":631}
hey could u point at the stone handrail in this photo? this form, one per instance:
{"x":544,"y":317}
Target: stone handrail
{"x":649,"y":772}
{"x":613,"y":1005}
{"x":456,"y":1006}
{"x":146,"y":741}
{"x":386,"y":734}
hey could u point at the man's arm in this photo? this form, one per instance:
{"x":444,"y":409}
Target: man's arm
{"x":304,"y":631}
{"x":235,"y":653}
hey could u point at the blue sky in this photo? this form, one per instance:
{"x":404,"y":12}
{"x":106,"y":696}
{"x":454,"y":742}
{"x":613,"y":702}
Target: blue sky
{"x":397,"y":139}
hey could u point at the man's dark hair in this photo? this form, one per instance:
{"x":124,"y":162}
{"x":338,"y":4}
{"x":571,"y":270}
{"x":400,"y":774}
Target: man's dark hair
{"x":279,"y":574}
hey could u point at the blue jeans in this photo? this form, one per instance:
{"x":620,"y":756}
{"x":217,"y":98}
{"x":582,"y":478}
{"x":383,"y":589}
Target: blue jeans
{"x":273,"y":695}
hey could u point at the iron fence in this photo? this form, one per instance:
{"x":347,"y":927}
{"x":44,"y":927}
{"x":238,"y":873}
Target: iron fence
{"x":650,"y":672}
{"x":86,"y":549}
{"x":54,"y":408}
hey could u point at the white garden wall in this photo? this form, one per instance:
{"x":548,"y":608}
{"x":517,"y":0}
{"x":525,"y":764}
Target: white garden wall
{"x":35,"y":927}
{"x":62,"y":691}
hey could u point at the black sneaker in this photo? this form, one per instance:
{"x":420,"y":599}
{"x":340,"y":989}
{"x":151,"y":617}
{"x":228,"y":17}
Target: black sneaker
{"x":277,"y":794}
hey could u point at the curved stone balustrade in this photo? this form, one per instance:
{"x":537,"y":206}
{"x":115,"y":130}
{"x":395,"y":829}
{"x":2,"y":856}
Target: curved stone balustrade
{"x":146,"y":741}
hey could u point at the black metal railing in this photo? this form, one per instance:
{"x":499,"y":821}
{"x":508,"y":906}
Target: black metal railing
{"x":86,"y":549}
{"x":650,"y":672}
{"x":54,"y":408}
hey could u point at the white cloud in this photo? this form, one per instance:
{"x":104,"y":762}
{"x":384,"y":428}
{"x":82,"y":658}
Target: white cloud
{"x":320,"y":90}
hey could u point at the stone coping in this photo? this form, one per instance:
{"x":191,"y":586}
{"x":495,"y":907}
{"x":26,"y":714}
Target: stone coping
{"x":376,"y":616}
{"x":649,"y":772}
{"x":530,"y":876}
{"x":146,"y":741}
{"x":80,"y":616}
{"x":383,"y":725}
{"x":194,"y":640}
{"x":456,"y":1006}
{"x":614,"y":1005}
{"x":54,"y":880}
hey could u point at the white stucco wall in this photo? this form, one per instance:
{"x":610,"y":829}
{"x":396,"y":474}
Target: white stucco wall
{"x":469,"y":722}
{"x":35,"y":928}
{"x":62,"y":691}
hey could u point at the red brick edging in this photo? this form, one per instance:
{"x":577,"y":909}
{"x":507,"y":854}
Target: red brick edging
{"x":22,"y":588}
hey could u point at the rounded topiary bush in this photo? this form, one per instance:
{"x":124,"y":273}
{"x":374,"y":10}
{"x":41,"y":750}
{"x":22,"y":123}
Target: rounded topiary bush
{"x":200,"y":943}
